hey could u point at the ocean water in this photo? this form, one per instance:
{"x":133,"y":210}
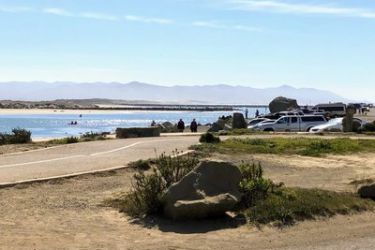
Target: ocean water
{"x":58,"y":125}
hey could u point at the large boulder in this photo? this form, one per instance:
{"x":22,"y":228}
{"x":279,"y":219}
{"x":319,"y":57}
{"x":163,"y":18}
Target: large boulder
{"x":367,"y":191}
{"x":282,"y":104}
{"x":239,"y":121}
{"x":210,"y":190}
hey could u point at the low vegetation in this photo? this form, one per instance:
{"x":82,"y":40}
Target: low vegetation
{"x":263,"y":201}
{"x":141,"y":165}
{"x":299,"y":146}
{"x":90,"y":136}
{"x":286,"y":206}
{"x":147,"y":187}
{"x":209,"y":138}
{"x":18,"y":136}
{"x":66,"y":140}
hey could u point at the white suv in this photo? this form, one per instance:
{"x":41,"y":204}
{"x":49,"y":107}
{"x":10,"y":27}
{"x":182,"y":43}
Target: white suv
{"x":292,"y":123}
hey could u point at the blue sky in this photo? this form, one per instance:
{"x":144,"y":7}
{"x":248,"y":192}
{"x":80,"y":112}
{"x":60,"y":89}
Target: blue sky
{"x":324,"y":44}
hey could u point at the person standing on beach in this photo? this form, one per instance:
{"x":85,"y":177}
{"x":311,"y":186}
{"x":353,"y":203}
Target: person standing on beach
{"x":194,"y":126}
{"x":181,"y":126}
{"x":256,"y":113}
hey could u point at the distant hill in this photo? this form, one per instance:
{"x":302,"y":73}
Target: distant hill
{"x":202,"y":94}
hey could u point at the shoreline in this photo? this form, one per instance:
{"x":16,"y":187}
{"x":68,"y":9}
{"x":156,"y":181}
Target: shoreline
{"x":84,"y":111}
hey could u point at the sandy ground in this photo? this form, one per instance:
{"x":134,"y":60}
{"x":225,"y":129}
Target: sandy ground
{"x":333,"y":172}
{"x":69,"y":214}
{"x":14,"y":148}
{"x":368,"y":117}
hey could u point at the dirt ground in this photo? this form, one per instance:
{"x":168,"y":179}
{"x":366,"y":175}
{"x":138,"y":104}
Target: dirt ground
{"x":69,"y":214}
{"x":333,"y":172}
{"x":14,"y":148}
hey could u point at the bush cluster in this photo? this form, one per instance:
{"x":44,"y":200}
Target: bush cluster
{"x":253,"y":185}
{"x":91,"y":136}
{"x":209,"y":138}
{"x":147,"y":187}
{"x":66,"y":140}
{"x":18,"y":136}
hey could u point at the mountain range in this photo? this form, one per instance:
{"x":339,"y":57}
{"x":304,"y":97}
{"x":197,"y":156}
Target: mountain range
{"x":199,"y":94}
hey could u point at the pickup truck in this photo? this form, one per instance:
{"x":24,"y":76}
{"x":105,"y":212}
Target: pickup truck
{"x":292,"y":123}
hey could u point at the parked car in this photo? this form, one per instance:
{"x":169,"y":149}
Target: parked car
{"x":333,"y":125}
{"x":255,"y":121}
{"x":292,"y":123}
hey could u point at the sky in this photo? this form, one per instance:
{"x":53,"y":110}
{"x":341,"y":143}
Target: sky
{"x":325,"y":44}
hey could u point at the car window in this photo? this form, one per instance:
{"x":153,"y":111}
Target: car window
{"x":294,"y":119}
{"x":312,"y":119}
{"x":283,"y":120}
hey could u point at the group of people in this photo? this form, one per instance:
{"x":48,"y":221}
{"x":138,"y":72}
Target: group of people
{"x":193,"y":126}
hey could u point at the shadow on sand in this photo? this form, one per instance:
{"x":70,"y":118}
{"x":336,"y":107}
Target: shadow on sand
{"x":191,"y":227}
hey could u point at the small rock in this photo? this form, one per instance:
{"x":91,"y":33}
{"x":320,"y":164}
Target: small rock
{"x":367,"y":191}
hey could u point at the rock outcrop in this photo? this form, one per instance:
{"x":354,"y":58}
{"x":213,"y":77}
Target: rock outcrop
{"x":282,"y":104}
{"x":210,"y":190}
{"x":239,"y":121}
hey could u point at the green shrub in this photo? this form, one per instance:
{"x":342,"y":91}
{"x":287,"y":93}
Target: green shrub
{"x":18,"y":136}
{"x":144,"y":199}
{"x":67,"y":140}
{"x":91,"y":136}
{"x":253,"y":186}
{"x":140,"y":165}
{"x":174,"y":168}
{"x":145,"y":195}
{"x":209,"y":138}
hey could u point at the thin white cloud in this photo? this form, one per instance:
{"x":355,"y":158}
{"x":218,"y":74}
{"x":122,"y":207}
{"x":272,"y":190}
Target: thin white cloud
{"x":57,"y":11}
{"x":209,"y":24}
{"x":217,"y":25}
{"x":15,"y":9}
{"x":296,"y":8}
{"x":148,"y":19}
{"x":99,"y":16}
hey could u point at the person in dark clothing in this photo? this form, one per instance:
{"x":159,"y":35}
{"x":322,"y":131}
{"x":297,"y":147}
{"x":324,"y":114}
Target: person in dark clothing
{"x":181,"y":126}
{"x":193,"y":126}
{"x":256,"y":113}
{"x":153,"y":123}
